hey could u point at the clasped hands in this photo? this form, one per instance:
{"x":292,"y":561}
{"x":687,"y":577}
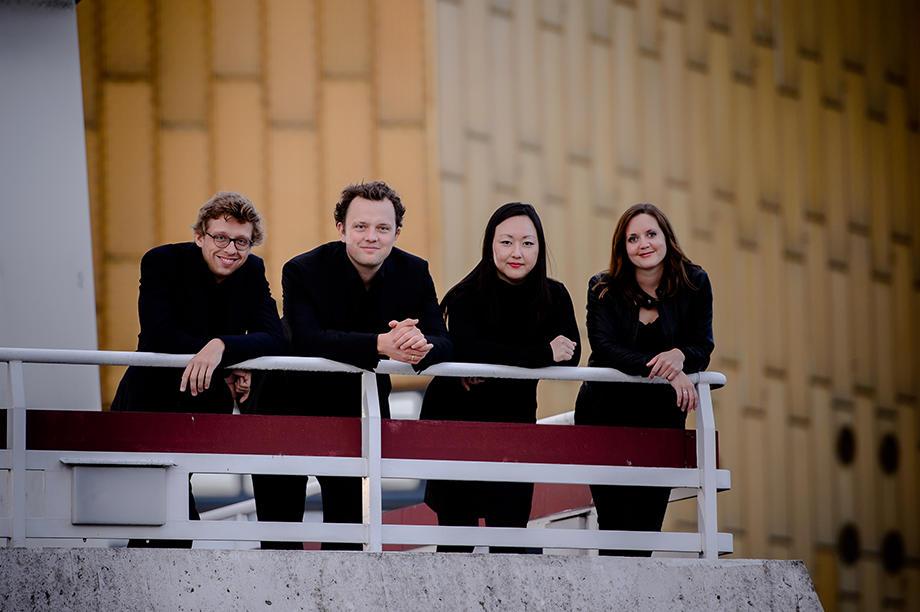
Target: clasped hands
{"x":197,"y":375}
{"x":404,"y":342}
{"x":669,"y":365}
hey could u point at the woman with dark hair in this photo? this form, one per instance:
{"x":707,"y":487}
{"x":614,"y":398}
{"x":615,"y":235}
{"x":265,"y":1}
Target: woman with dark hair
{"x":649,"y":314}
{"x":508,"y":312}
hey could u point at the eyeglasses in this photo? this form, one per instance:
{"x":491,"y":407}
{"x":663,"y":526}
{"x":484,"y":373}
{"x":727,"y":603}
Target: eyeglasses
{"x":221,"y":241}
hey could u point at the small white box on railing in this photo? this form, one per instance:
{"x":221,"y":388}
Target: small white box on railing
{"x":119,"y":495}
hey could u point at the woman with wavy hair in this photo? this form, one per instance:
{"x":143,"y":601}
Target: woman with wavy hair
{"x":506,"y":311}
{"x":649,"y":314}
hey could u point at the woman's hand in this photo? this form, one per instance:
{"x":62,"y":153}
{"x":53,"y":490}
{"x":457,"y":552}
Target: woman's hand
{"x":563,"y":349}
{"x":466,"y":381}
{"x":667,"y":364}
{"x":687,"y":398}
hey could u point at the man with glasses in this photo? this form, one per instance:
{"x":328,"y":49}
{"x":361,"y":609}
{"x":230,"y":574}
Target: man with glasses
{"x":356,"y":300}
{"x":209,"y":298}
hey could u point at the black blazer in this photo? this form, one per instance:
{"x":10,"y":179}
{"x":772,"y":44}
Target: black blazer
{"x":315,"y":312}
{"x":173,"y":311}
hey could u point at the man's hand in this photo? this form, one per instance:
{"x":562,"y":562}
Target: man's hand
{"x":197,"y":374}
{"x":404,"y":342}
{"x":239,"y":382}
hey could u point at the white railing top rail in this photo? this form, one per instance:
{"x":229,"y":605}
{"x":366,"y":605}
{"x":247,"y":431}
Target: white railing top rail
{"x":708,"y":542}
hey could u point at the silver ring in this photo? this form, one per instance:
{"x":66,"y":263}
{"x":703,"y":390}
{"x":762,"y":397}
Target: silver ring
{"x":685,"y":393}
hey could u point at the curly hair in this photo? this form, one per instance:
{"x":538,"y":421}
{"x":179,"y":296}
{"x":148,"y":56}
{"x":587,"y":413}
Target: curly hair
{"x":230,"y":205}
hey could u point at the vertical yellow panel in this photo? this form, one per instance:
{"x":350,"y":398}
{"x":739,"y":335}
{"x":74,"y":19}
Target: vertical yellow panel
{"x":122,"y":325}
{"x":810,"y":121}
{"x":728,"y":329}
{"x":903,"y":319}
{"x":504,"y":128}
{"x":297,"y":213}
{"x":747,"y":191}
{"x":554,"y":151}
{"x":863,"y":314}
{"x":884,"y":331}
{"x":184,"y":180}
{"x":403,"y":166}
{"x":576,"y":67}
{"x":786,"y":45}
{"x":791,"y":171}
{"x":801,"y":485}
{"x":722,"y":113}
{"x":603,"y":160}
{"x":797,"y":326}
{"x":238,"y":138}
{"x":652,"y":138}
{"x":674,"y":91}
{"x":649,"y":18}
{"x":842,"y":342}
{"x":236,"y":37}
{"x":130,"y":222}
{"x":526,"y":35}
{"x":875,"y":35}
{"x":480,"y":203}
{"x":818,"y":304}
{"x":476,"y":55}
{"x":896,"y":144}
{"x":831,"y":51}
{"x":626,"y":85}
{"x":292,"y":60}
{"x":773,"y":294}
{"x":908,"y":480}
{"x":864,"y":468}
{"x":697,"y":38}
{"x":346,"y":36}
{"x":183,"y":55}
{"x":348,"y":137}
{"x":852,"y":23}
{"x":127,"y":34}
{"x":823,"y":442}
{"x":833,"y":179}
{"x":766,"y":112}
{"x":742,"y":38}
{"x":880,"y":196}
{"x":400,"y":60}
{"x":459,"y":239}
{"x":810,"y":24}
{"x":573,"y":260}
{"x":763,"y":21}
{"x":530,"y":187}
{"x":90,"y":70}
{"x":451,"y":90}
{"x":856,"y":148}
{"x":753,"y":482}
{"x":699,"y":141}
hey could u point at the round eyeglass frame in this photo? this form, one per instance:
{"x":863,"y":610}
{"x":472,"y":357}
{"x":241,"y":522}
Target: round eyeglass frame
{"x":221,"y":241}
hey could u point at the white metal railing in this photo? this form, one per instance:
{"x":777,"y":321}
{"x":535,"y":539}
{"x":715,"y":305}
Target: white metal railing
{"x":58,"y":495}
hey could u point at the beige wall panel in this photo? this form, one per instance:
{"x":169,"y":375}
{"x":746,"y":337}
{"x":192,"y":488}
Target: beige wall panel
{"x":810,"y":122}
{"x":527,"y":62}
{"x":481,"y":196}
{"x":833,"y":184}
{"x":630,"y":192}
{"x":797,"y":326}
{"x":845,"y":476}
{"x":626,"y":86}
{"x":810,"y":25}
{"x":722,"y":114}
{"x":895,"y":141}
{"x":908,"y":478}
{"x":553,"y":113}
{"x":347,"y":118}
{"x":552,"y":12}
{"x":818,"y":304}
{"x":786,"y":44}
{"x":652,"y":139}
{"x":530,"y":187}
{"x":575,"y":68}
{"x":127,"y":31}
{"x":753,"y":336}
{"x":503,"y":102}
{"x":727,"y":407}
{"x":773,"y":281}
{"x":603,"y":158}
{"x":458,"y":237}
{"x":856,"y":146}
{"x":403,"y":166}
{"x":747,"y":190}
{"x":864,"y":314}
{"x":476,"y":62}
{"x":913,"y":66}
{"x":90,"y":70}
{"x":649,"y":14}
{"x":297,"y":216}
{"x":238,"y":139}
{"x":802,"y":502}
{"x":185,"y":182}
{"x":823,"y":441}
{"x":700,"y":144}
{"x":903,"y":319}
{"x":898,"y":28}
{"x":766,"y":111}
{"x":853,"y":38}
{"x":865,"y":472}
{"x":741,"y":29}
{"x":183,"y":54}
{"x":844,"y":340}
{"x":674,"y":91}
{"x":236,"y":37}
{"x":292,"y":60}
{"x":400,"y":59}
{"x":880,"y":196}
{"x":574,"y":258}
{"x":130,"y":220}
{"x":875,"y":32}
{"x":779,"y":501}
{"x":763,"y":21}
{"x":451,"y":86}
{"x":729,"y":330}
{"x":752,"y":482}
{"x":697,"y":38}
{"x":831,"y":51}
{"x":599,"y":20}
{"x":122,"y":326}
{"x":345,"y":32}
{"x":790,"y":160}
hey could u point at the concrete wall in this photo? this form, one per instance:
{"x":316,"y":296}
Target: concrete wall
{"x":46,"y":265}
{"x":225,"y":581}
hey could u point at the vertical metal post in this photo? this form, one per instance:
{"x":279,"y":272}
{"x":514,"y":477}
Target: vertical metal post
{"x":16,"y":441}
{"x":707,"y":517}
{"x":371,"y":452}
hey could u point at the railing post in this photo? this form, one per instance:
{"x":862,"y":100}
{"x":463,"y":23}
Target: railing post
{"x":371,"y":451}
{"x":16,"y":442}
{"x":706,"y":463}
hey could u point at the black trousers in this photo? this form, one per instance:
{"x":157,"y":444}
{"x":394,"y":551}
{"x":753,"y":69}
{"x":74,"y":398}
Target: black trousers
{"x":459,"y":518}
{"x":281,"y":498}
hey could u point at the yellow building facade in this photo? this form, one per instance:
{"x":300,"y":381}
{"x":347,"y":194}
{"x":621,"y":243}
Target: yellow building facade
{"x":781,"y":138}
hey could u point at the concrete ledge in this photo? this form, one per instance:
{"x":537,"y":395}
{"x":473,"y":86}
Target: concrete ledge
{"x":224,"y":581}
